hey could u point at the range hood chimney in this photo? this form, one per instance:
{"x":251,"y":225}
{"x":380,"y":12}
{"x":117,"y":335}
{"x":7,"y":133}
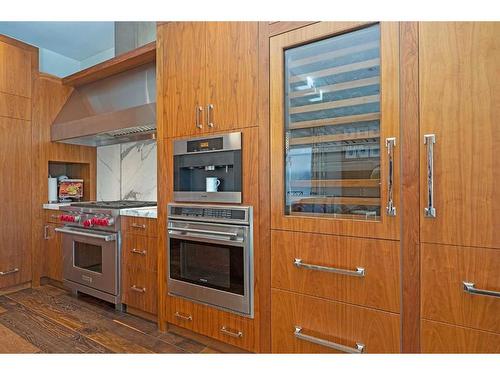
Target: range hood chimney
{"x":117,"y":109}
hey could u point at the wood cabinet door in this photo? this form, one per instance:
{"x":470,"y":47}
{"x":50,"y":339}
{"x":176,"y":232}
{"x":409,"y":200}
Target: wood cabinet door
{"x":181,"y":77}
{"x":15,"y":70}
{"x":459,"y":106}
{"x":232,"y":66}
{"x":53,"y":252}
{"x":335,"y":129}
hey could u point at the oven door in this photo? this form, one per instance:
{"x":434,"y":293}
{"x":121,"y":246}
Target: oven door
{"x":211,"y":263}
{"x":91,"y":258}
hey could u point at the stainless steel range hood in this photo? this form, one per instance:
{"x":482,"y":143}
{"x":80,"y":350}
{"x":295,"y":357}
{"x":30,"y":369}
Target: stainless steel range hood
{"x":117,"y":109}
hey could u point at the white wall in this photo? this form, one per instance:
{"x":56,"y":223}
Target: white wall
{"x":56,"y":64}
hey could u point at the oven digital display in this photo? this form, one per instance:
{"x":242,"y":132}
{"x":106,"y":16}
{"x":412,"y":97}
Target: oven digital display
{"x":205,"y":145}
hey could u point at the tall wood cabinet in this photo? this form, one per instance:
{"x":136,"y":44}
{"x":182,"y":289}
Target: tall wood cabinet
{"x":334,"y":100}
{"x":460,"y":191}
{"x":209,"y":70}
{"x":17,"y":64}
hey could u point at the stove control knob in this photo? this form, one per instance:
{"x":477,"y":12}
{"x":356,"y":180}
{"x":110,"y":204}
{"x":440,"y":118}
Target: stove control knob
{"x":107,"y":222}
{"x":87,"y":223}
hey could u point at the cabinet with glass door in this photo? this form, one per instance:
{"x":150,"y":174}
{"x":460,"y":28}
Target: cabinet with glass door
{"x":334,"y":129}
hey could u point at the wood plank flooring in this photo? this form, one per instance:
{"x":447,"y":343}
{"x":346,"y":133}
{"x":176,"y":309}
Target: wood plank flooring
{"x":50,"y":320}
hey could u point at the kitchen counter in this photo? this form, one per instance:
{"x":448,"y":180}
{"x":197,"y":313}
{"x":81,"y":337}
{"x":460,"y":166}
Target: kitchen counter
{"x":149,"y":212}
{"x":54,"y":206}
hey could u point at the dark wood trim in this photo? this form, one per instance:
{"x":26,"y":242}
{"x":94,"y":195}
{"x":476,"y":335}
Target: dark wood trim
{"x":264,"y":190}
{"x":18,"y":43}
{"x":118,"y":64}
{"x":281,"y":27}
{"x":410,"y":180}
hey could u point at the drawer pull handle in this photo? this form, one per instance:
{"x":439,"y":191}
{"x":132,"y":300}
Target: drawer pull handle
{"x":138,"y":289}
{"x":390,"y":143}
{"x":140,"y":252}
{"x":358,"y":349}
{"x":430,"y":210}
{"x":360,"y":272}
{"x":229,"y":332}
{"x":179,"y":315}
{"x":138,"y":226}
{"x":4,"y":273}
{"x":469,"y":288}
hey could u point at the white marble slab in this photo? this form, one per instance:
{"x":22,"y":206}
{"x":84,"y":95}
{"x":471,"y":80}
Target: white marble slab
{"x":150,"y":212}
{"x":54,"y":206}
{"x":138,"y":171}
{"x":108,"y":173}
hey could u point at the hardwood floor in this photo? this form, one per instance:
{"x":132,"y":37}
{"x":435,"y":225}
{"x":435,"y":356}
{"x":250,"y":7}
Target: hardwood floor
{"x":50,"y":320}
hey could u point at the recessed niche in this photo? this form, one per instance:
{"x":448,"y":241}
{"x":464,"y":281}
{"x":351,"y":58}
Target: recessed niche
{"x":73,"y":170}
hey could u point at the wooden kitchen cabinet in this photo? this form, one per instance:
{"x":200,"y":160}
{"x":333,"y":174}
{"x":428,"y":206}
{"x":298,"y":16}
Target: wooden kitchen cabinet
{"x":208,"y":81}
{"x":335,"y":129}
{"x":15,"y":68}
{"x":459,"y":111}
{"x":52,"y":250}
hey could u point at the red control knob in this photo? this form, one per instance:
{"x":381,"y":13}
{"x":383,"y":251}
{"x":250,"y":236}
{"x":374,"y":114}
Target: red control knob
{"x":87,"y":223}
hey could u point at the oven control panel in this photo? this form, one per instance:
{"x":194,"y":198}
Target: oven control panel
{"x":209,"y":213}
{"x":88,"y":220}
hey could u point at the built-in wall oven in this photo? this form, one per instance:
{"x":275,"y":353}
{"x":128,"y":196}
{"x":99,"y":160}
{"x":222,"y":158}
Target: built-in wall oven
{"x":210,"y":255}
{"x":208,"y":169}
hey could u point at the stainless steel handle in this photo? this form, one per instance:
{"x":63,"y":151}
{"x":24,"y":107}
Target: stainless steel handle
{"x":183,"y":316}
{"x":210,"y":109}
{"x":140,"y":252}
{"x":104,"y":237}
{"x":198,"y":111}
{"x":358,"y":349}
{"x":429,"y":140}
{"x":139,"y":289}
{"x":230,"y":332}
{"x":46,"y":232}
{"x":469,"y":288}
{"x":390,"y":143}
{"x":3,"y":273}
{"x":360,"y":272}
{"x":202,"y":231}
{"x":138,"y":226}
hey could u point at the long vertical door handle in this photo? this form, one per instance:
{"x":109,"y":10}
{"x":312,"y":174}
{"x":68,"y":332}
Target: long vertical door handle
{"x":198,"y":111}
{"x":46,"y":232}
{"x":390,"y":143}
{"x":210,"y":109}
{"x":430,"y":210}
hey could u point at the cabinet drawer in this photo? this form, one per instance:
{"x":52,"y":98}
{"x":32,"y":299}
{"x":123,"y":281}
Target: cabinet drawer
{"x":139,"y":225}
{"x":329,"y":323}
{"x":52,"y":216}
{"x":14,"y":270}
{"x":446,"y":338}
{"x":217,"y":324}
{"x":444,"y":298}
{"x":139,"y":289}
{"x":140,"y":252}
{"x":377,"y":287}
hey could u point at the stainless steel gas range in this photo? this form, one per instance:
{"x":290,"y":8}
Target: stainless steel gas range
{"x":91,"y":241}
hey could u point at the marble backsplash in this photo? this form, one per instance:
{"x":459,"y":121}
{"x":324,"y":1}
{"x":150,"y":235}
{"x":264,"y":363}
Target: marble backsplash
{"x":127,"y":171}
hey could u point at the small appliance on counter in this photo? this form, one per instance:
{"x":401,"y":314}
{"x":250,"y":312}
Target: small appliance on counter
{"x":70,"y":189}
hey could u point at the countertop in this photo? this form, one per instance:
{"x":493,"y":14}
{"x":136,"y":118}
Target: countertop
{"x":149,"y":212}
{"x":54,"y":206}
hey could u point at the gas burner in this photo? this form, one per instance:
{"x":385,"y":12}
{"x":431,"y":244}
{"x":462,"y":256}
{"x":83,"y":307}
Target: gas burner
{"x":114,"y":205}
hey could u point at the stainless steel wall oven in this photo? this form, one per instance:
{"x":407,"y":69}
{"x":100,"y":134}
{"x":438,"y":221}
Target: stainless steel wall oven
{"x":210,"y":255}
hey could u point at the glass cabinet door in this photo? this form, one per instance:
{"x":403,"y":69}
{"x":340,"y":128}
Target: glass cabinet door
{"x":332,"y":126}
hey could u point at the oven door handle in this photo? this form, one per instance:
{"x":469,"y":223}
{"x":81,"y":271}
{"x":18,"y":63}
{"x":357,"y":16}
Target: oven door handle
{"x":203,"y":231}
{"x":177,"y":233}
{"x":104,"y":237}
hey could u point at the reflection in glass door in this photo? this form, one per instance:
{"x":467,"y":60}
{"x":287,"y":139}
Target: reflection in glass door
{"x":332,"y":127}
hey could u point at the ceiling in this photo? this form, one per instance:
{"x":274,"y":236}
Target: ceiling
{"x":77,"y":40}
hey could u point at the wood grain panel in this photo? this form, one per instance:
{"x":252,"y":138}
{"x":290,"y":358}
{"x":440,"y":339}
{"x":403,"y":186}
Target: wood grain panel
{"x":280,"y":27}
{"x":444,"y":338}
{"x":52,"y":216}
{"x":14,"y":106}
{"x":462,"y":110}
{"x":410,"y":179}
{"x":444,"y":269}
{"x":139,"y":289}
{"x":209,"y":321}
{"x":388,"y":227}
{"x":232,"y":68}
{"x":140,"y":252}
{"x":141,"y":226}
{"x":379,"y":288}
{"x":53,"y":253}
{"x":121,"y":63}
{"x":183,"y":84}
{"x":332,"y":321}
{"x":15,"y":70}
